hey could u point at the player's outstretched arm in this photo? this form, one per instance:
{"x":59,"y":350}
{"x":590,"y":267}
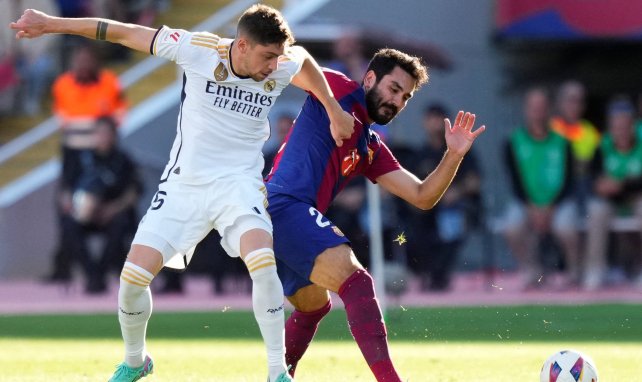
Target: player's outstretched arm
{"x":310,"y":78}
{"x":425,"y":194}
{"x":34,"y":23}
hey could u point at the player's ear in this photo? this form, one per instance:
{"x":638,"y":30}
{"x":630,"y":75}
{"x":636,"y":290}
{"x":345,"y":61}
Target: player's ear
{"x":243,"y":44}
{"x":370,"y":79}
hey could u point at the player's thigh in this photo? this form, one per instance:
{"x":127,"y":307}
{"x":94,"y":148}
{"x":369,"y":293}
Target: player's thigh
{"x":301,"y":234}
{"x":310,"y":298}
{"x":238,"y":208}
{"x":176,"y":220}
{"x":333,"y":267}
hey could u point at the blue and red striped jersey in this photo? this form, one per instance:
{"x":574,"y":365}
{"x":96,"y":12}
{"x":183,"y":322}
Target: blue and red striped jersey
{"x":310,"y":167}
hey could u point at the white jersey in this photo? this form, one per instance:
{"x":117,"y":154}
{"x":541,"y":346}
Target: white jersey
{"x":222,"y":123}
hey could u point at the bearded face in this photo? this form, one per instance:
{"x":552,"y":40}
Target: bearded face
{"x":380,"y":111}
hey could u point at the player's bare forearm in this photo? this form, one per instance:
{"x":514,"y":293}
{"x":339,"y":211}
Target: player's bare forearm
{"x":433,"y":187}
{"x":34,"y":23}
{"x":423,"y":194}
{"x":310,"y":78}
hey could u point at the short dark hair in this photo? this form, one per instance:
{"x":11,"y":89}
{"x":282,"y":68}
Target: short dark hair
{"x":385,"y":60}
{"x":264,"y":25}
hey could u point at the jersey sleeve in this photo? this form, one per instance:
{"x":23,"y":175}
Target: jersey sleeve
{"x":183,"y":47}
{"x":383,"y":162}
{"x":292,"y":60}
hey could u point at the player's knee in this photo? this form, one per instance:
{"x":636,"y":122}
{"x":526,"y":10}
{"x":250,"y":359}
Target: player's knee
{"x":311,"y":298}
{"x":336,"y":263}
{"x":146,"y":258}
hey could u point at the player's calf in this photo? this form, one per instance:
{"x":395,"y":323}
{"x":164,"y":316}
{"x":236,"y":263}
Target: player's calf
{"x":267,"y":302}
{"x":367,"y":325}
{"x":300,"y":329}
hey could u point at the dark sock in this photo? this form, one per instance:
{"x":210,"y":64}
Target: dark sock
{"x":299,"y":331}
{"x":366,"y":324}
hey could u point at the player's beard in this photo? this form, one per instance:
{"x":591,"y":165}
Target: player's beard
{"x":380,"y":112}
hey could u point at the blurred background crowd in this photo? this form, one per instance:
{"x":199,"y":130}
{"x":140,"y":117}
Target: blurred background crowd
{"x":553,"y":194}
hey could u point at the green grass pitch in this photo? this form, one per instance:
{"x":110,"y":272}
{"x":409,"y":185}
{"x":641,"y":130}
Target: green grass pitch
{"x":429,"y":344}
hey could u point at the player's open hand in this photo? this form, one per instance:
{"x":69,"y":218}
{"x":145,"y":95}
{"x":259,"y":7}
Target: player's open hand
{"x":31,"y":24}
{"x":341,"y":125}
{"x":460,"y":136}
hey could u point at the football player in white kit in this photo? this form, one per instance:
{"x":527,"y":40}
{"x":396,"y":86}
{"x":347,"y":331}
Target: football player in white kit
{"x":213,"y":177}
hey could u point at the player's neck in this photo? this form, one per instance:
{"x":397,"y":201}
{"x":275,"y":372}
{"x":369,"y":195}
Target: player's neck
{"x":235,"y":63}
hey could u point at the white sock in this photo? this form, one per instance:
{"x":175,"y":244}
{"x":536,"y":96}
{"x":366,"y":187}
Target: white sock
{"x":134,"y":310}
{"x":267,"y":302}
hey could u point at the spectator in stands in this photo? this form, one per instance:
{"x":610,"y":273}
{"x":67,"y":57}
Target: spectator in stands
{"x":80,"y":96}
{"x":582,"y":134}
{"x":541,"y":171}
{"x":37,"y":61}
{"x":100,"y":197}
{"x":435,"y":236}
{"x":348,"y":56}
{"x":617,"y":184}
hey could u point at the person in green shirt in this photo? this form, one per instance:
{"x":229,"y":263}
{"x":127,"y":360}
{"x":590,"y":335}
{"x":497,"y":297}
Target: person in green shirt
{"x":540,"y":167}
{"x":617,"y":186}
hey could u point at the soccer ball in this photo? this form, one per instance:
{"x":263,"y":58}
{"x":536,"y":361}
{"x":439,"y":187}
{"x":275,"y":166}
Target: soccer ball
{"x":568,"y":366}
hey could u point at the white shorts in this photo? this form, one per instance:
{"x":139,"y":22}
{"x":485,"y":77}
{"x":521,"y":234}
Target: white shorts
{"x":181,"y":215}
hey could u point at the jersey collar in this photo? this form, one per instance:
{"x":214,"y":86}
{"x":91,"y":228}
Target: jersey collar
{"x":232,"y":67}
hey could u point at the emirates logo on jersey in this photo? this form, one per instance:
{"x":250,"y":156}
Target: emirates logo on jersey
{"x":350,"y":162}
{"x":269,"y":85}
{"x":220,"y":73}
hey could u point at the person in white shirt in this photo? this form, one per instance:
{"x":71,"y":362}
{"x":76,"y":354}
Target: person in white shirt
{"x":213,"y":177}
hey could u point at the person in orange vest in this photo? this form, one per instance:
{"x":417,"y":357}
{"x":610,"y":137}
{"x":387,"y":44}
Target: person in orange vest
{"x":583,"y":136}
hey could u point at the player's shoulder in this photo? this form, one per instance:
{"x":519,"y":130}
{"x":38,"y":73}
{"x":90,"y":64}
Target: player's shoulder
{"x":340,"y":84}
{"x":205,"y":39}
{"x":293,"y":53}
{"x":290,"y":62}
{"x":202,"y":41}
{"x":210,"y":44}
